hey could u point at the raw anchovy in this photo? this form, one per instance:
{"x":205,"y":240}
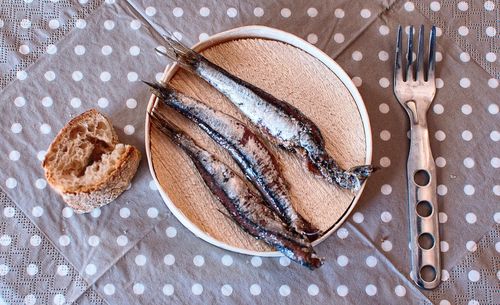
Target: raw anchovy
{"x":282,"y":122}
{"x":244,"y":206}
{"x":253,"y":157}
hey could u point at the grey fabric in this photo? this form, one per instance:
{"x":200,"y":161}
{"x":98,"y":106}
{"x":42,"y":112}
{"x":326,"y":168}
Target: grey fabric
{"x":128,"y":251}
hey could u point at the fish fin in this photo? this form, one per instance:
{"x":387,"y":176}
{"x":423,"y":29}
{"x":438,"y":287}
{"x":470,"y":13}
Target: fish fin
{"x":175,"y":50}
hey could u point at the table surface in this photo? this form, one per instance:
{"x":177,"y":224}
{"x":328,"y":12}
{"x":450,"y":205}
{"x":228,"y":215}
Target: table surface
{"x":59,"y":58}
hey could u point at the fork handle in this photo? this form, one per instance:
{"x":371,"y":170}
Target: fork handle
{"x":422,"y":203}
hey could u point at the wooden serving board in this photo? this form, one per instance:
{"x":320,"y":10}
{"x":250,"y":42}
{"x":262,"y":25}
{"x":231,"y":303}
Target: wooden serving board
{"x":292,"y":70}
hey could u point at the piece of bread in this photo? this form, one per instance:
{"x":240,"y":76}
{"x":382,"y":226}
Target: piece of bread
{"x":86,"y":164}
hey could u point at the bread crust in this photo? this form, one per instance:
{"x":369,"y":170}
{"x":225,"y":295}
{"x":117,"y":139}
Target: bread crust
{"x":86,"y":197}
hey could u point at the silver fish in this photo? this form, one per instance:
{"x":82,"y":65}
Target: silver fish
{"x":245,"y":208}
{"x":284,"y":124}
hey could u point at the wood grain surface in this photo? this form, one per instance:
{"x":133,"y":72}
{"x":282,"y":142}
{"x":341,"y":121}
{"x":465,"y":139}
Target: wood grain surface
{"x":289,"y":74}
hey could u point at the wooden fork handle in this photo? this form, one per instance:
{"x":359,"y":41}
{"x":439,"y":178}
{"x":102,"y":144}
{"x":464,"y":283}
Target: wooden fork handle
{"x":422,"y":203}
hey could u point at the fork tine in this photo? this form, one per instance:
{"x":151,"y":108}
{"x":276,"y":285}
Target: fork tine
{"x":432,"y":54}
{"x":420,"y":55}
{"x":398,"y":61}
{"x":409,"y":55}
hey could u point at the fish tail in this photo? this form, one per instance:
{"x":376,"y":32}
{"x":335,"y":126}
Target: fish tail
{"x":308,"y":230}
{"x":175,"y":50}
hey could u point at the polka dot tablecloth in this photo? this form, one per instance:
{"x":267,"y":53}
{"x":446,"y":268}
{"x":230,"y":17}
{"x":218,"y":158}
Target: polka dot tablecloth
{"x":61,"y":57}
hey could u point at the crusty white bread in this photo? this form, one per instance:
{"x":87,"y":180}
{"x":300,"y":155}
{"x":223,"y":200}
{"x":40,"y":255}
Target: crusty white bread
{"x":86,"y":164}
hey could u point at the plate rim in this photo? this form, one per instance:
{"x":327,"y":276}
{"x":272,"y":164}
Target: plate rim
{"x":263,"y":32}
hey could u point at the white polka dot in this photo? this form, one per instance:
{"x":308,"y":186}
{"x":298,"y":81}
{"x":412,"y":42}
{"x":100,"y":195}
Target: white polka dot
{"x":465,"y":82}
{"x":41,"y":155}
{"x":466,"y":135}
{"x":365,"y":13}
{"x":440,"y":162}
{"x":493,"y":108}
{"x":19,"y":101}
{"x":45,"y":128}
{"x":131,"y":103}
{"x":497,"y":247}
{"x":491,"y":31}
{"x":400,"y":291}
{"x":11,"y":183}
{"x":284,"y":290}
{"x":30,"y":299}
{"x":140,"y":260}
{"x":135,"y":24}
{"x":14,"y":155}
{"x":124,"y":212}
{"x":203,"y":36}
{"x":9,"y":212}
{"x":4,"y":269}
{"x":77,"y":76}
{"x":67,"y":212}
{"x":150,"y":11}
{"x":466,"y":109}
{"x":80,"y":23}
{"x":94,"y":241}
{"x":469,"y":162}
{"x":371,"y":261}
{"x":312,"y":38}
{"x":489,"y":5}
{"x":232,"y":12}
{"x":312,"y":12}
{"x":90,"y":269}
{"x":493,"y":82}
{"x":106,"y":50}
{"x":168,"y":289}
{"x":109,"y":289}
{"x":440,"y":135}
{"x":357,"y":55}
{"x":47,"y":101}
{"x":463,"y":31}
{"x":444,"y":245}
{"x":226,"y":290}
{"x":473,"y":302}
{"x":59,"y":299}
{"x":138,"y":288}
{"x":342,"y":233}
{"x":95,"y":212}
{"x":383,"y":55}
{"x":178,"y":12}
{"x":470,"y":218}
{"x":357,"y":81}
{"x":256,"y":261}
{"x":371,"y":290}
{"x":227,"y":260}
{"x":109,"y":2}
{"x":342,"y":290}
{"x":386,"y":216}
{"x":5,"y":240}
{"x":473,"y":276}
{"x":1,"y":23}
{"x":32,"y":269}
{"x":313,"y":289}
{"x":122,"y":240}
{"x":439,"y":83}
{"x":463,"y":6}
{"x":171,"y":232}
{"x":409,"y":6}
{"x":439,"y":56}
{"x":435,"y":6}
{"x":105,"y":76}
{"x":169,"y":259}
{"x":469,"y":189}
{"x":62,"y":270}
{"x":285,"y":12}
{"x":491,"y":57}
{"x":21,"y":75}
{"x":152,"y":212}
{"x":495,"y":162}
{"x":496,"y":190}
{"x":159,"y":76}
{"x":132,"y":76}
{"x":383,"y":108}
{"x":442,"y":190}
{"x":384,"y":30}
{"x":79,"y":50}
{"x":25,"y":23}
{"x":386,"y":189}
{"x":198,"y":260}
{"x":496,"y":217}
{"x":204,"y":11}
{"x":471,"y":246}
{"x":358,"y":217}
{"x":464,"y":57}
{"x":385,"y":162}
{"x":54,"y":24}
{"x":134,"y":50}
{"x":284,"y":261}
{"x":386,"y":246}
{"x":255,"y":289}
{"x":338,"y":37}
{"x":339,"y":13}
{"x":24,"y":49}
{"x":495,"y":136}
{"x":258,"y":12}
{"x":35,"y":240}
{"x":197,"y":289}
{"x":109,"y":25}
{"x":50,"y":75}
{"x":342,"y":260}
{"x":152,"y":185}
{"x":103,"y":102}
{"x":438,"y":108}
{"x":37,"y":211}
{"x":384,"y":82}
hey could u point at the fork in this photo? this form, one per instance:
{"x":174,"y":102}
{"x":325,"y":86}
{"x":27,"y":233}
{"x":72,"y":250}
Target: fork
{"x":414,"y":88}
